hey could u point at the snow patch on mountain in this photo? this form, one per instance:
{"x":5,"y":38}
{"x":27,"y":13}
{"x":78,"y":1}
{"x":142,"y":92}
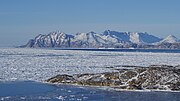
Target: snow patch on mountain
{"x":134,"y":38}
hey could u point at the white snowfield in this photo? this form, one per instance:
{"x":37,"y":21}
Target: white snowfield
{"x":41,"y":64}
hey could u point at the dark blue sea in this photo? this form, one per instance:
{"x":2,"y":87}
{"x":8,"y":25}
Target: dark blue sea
{"x":124,"y":50}
{"x":35,"y":91}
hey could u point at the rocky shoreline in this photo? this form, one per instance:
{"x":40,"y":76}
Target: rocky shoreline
{"x":155,"y":77}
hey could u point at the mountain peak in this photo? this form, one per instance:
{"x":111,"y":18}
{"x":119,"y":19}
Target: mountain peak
{"x":170,"y":39}
{"x":107,"y":32}
{"x":92,"y":32}
{"x":171,"y":36}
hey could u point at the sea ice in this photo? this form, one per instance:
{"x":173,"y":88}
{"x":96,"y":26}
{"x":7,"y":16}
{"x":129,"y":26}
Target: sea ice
{"x":41,"y":64}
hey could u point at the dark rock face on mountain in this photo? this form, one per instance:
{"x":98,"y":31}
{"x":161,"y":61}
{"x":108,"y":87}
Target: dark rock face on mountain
{"x":108,"y":39}
{"x":137,"y":78}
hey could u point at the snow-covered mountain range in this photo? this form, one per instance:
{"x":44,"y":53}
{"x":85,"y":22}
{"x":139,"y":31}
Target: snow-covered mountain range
{"x":107,"y":39}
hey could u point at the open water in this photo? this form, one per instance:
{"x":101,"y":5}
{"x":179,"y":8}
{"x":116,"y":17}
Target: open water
{"x":35,"y":91}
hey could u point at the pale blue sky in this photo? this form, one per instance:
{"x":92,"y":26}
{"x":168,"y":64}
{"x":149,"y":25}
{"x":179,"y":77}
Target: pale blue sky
{"x":21,"y":20}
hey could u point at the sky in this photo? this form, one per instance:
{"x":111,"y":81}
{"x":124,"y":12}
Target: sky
{"x":21,"y":20}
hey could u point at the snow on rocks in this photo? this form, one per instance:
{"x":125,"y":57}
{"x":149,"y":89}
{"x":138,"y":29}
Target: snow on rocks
{"x":139,"y":78}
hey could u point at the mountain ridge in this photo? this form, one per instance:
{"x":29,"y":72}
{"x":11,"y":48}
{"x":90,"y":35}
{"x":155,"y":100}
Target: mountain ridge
{"x":107,"y":39}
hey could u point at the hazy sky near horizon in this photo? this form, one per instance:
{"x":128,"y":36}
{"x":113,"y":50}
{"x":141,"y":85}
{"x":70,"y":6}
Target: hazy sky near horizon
{"x":21,"y":20}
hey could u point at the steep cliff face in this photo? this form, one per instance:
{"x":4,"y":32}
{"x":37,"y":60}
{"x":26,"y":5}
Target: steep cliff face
{"x":138,"y":78}
{"x":108,"y":39}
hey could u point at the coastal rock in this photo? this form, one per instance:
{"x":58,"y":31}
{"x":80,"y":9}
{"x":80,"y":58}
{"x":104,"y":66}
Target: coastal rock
{"x":138,"y":78}
{"x":62,"y":79}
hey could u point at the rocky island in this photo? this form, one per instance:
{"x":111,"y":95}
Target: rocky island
{"x":155,"y":77}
